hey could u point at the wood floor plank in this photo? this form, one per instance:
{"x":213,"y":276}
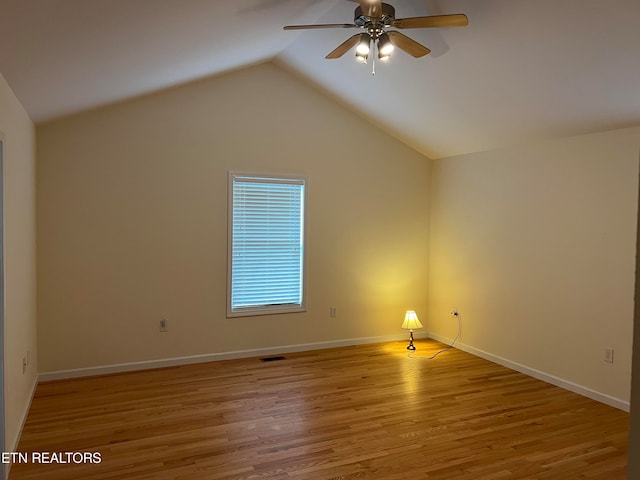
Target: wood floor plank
{"x":362,"y":412}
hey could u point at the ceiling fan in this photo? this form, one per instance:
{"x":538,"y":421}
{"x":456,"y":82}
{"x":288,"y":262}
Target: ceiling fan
{"x":374,"y":18}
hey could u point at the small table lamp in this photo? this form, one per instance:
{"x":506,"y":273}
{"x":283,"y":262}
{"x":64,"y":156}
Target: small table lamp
{"x":410,"y":323}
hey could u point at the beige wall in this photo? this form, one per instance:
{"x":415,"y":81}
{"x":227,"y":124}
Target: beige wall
{"x":535,"y":246}
{"x":132,"y":221}
{"x":633,"y":467}
{"x":19,"y":260}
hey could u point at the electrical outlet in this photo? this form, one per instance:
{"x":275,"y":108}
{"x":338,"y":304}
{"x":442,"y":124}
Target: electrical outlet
{"x":608,"y":354}
{"x":332,"y":312}
{"x":164,"y":325}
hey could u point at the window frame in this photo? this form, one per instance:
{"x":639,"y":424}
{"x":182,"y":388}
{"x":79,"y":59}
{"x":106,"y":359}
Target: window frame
{"x":265,"y":309}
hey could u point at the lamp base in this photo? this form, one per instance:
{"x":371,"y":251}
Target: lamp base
{"x":411,"y":346}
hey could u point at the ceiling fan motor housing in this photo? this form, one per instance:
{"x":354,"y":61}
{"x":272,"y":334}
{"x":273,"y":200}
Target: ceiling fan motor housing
{"x":386,"y":20}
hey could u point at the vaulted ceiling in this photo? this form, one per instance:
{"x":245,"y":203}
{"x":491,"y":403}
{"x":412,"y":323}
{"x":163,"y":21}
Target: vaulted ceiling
{"x":522,"y":70}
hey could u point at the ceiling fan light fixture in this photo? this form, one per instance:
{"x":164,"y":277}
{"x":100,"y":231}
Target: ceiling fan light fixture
{"x":362,"y":58}
{"x":385,"y":47}
{"x":364,"y":45}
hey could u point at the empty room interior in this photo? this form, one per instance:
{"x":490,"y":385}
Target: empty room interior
{"x":484,"y":177}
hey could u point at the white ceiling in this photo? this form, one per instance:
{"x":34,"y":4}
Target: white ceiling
{"x":521,"y":71}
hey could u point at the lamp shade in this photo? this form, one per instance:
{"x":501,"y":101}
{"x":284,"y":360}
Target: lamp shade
{"x":411,"y":321}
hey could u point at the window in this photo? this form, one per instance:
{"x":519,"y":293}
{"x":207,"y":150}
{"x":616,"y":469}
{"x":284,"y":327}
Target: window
{"x":266,"y":244}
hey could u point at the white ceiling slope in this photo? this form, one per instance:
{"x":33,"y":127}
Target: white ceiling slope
{"x":522,"y":70}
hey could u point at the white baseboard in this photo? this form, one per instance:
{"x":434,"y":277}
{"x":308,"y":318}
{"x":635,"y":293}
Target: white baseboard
{"x":212,"y":357}
{"x":260,"y":352}
{"x":545,"y":377}
{"x":13,"y":447}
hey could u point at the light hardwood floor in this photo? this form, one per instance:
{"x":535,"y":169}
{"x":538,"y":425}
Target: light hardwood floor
{"x":362,"y":412}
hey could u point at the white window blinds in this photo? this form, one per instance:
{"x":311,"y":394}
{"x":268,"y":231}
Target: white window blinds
{"x":267,"y":244}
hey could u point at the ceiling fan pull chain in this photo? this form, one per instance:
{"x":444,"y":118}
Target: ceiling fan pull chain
{"x":373,"y":60}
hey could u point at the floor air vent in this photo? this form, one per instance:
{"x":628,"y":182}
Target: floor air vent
{"x":272,"y":359}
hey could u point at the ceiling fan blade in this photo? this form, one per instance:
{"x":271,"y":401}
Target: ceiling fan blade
{"x":371,"y":8}
{"x":455,"y":20}
{"x":345,"y":46}
{"x":405,"y":43}
{"x":323,"y":25}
